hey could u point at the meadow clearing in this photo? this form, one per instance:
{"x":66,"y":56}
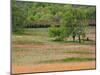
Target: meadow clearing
{"x":34,"y":47}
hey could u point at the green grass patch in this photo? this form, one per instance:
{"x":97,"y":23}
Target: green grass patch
{"x":27,"y":42}
{"x":19,"y":32}
{"x":40,"y":35}
{"x":68,"y":60}
{"x":77,"y":59}
{"x":79,"y":52}
{"x":32,"y":31}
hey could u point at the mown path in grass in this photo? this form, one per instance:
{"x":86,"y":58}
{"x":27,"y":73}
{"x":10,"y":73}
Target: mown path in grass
{"x":17,"y":69}
{"x":46,"y":46}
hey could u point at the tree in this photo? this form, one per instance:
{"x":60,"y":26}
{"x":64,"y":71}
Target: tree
{"x":82,"y":22}
{"x":69,"y":21}
{"x":56,"y":33}
{"x":75,"y":21}
{"x":72,"y":19}
{"x":19,"y":16}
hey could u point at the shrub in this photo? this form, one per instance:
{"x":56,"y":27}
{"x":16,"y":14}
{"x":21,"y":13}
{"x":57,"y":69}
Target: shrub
{"x":57,"y":33}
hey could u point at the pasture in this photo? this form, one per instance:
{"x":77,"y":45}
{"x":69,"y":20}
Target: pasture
{"x":34,"y":51}
{"x":34,"y":46}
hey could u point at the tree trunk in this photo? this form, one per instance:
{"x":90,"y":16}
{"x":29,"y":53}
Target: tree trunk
{"x":73,"y":38}
{"x":79,"y":39}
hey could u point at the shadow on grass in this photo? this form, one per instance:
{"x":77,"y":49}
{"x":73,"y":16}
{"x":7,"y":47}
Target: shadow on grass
{"x":84,"y":42}
{"x":79,"y":52}
{"x":78,"y":59}
{"x":68,"y":60}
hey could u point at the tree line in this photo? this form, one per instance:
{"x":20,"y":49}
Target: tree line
{"x":72,"y":19}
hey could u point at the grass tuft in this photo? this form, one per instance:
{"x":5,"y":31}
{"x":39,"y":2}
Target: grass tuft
{"x":77,"y":59}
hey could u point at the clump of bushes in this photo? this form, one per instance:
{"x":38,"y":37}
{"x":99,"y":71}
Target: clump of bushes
{"x":57,"y":33}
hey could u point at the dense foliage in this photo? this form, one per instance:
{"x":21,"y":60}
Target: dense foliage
{"x":72,"y":19}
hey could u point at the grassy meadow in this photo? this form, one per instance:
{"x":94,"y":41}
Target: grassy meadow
{"x":34,"y":46}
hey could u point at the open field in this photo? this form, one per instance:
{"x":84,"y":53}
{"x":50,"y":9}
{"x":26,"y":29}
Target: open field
{"x":33,"y":47}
